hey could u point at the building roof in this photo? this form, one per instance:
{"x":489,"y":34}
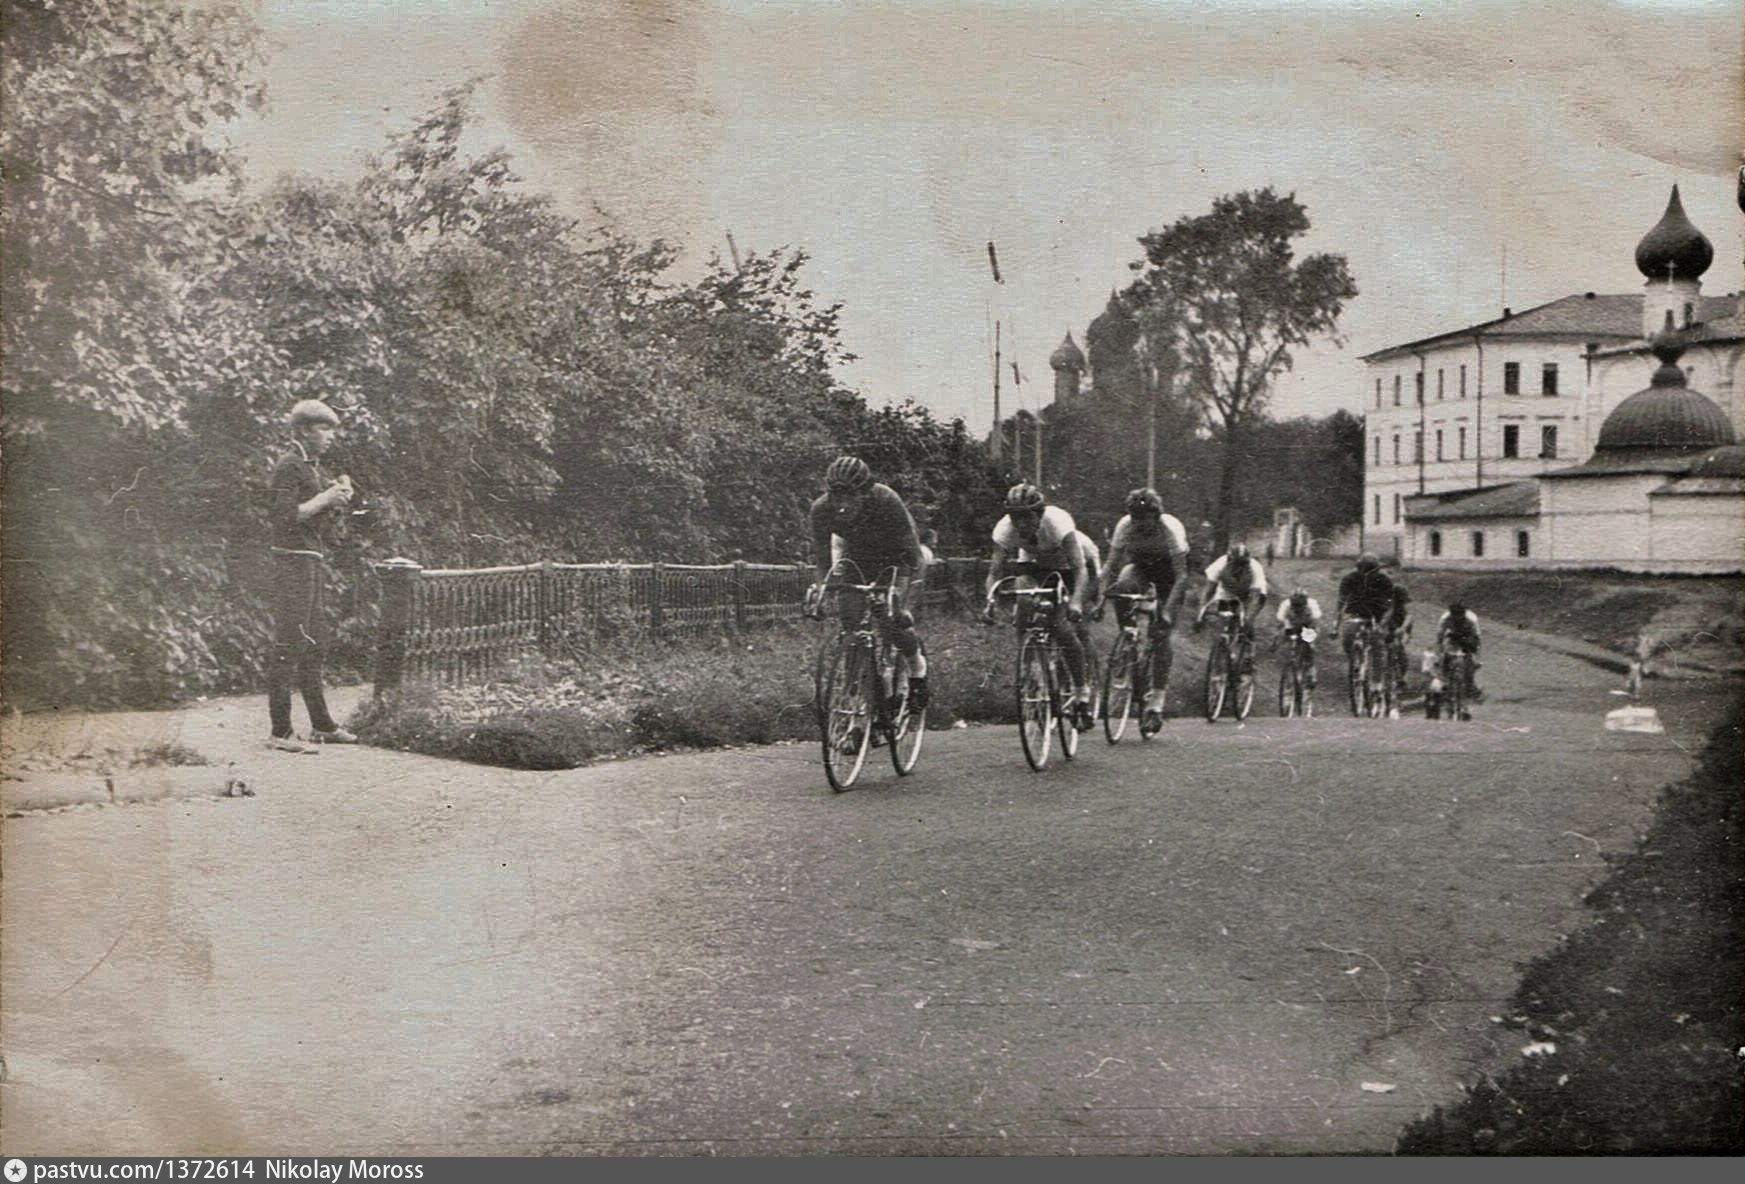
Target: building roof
{"x":1067,"y":355}
{"x":1718,"y":318}
{"x":1517,"y":500}
{"x":1589,"y":316}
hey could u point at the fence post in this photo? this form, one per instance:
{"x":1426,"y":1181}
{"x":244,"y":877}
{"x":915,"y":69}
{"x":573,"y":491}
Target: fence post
{"x":739,"y":595}
{"x":392,"y":634}
{"x":656,"y":594}
{"x":544,"y":599}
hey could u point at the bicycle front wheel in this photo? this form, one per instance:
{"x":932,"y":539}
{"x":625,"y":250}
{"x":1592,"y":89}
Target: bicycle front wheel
{"x":908,"y":728}
{"x":1035,"y":705}
{"x":845,"y":711}
{"x":1217,"y":678}
{"x":1357,"y":676}
{"x":1289,"y":691}
{"x":1120,"y":686}
{"x":1454,"y":692}
{"x":1375,"y":686}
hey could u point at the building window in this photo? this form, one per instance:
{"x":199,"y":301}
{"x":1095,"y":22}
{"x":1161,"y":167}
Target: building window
{"x":1522,"y":546}
{"x":1463,"y":381}
{"x":1439,"y":455}
{"x":1418,"y":387}
{"x":1511,"y":378}
{"x":1439,"y":385}
{"x":1396,"y":509}
{"x":1396,"y":448}
{"x":1511,"y":439}
{"x":1378,"y":509}
{"x":1435,"y":543}
{"x":1378,"y":452}
{"x":1417,"y":448}
{"x":1462,"y":443}
{"x":1689,"y":315}
{"x":1396,"y":390}
{"x":1548,"y":442}
{"x":1478,"y":544}
{"x":1378,"y":392}
{"x":1548,"y":379}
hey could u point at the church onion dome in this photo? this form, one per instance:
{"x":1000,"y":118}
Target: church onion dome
{"x":1067,"y":356}
{"x":1668,"y":416}
{"x":1675,"y":248}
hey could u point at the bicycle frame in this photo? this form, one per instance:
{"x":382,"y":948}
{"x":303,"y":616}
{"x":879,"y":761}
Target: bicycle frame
{"x":1042,"y":712}
{"x":1230,"y":662}
{"x":1127,"y":671}
{"x":858,"y":679}
{"x":1294,"y":694}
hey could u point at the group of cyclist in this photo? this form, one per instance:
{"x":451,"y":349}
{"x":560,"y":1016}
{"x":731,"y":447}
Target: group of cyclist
{"x":863,"y":520}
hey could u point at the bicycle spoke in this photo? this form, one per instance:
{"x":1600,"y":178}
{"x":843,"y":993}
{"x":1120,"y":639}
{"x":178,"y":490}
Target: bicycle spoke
{"x":1035,"y":713}
{"x":846,"y":715}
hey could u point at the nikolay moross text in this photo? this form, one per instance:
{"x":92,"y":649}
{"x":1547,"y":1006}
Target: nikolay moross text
{"x":351,"y":1169}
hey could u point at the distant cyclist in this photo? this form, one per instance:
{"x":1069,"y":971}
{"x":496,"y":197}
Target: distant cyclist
{"x":1399,"y":630}
{"x":861,"y":520}
{"x":1458,"y":627}
{"x":1366,"y":595}
{"x":1148,"y":550}
{"x":1046,"y":537}
{"x":1236,"y":579}
{"x":1297,"y":612}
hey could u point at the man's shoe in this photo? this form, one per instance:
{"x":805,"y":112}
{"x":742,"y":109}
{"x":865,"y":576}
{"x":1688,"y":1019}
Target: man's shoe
{"x":1151,"y":723}
{"x":288,"y":744}
{"x":850,"y":743}
{"x":918,"y":698}
{"x":336,"y":736}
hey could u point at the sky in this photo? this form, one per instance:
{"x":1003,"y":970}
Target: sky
{"x":1463,"y":156}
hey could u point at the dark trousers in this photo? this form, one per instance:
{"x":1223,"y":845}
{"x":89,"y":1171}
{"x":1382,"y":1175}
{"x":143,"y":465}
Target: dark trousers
{"x":299,"y":639}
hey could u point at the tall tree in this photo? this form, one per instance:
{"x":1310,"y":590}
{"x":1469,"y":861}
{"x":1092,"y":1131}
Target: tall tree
{"x":1227,"y":289}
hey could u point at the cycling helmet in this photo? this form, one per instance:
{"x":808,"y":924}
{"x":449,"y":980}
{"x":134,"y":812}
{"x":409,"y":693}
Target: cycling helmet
{"x":1024,"y":496}
{"x":1144,"y":501}
{"x":847,"y":474}
{"x":1367,"y":562}
{"x":1238,"y":553}
{"x":1299,"y":597}
{"x":1457,"y":609}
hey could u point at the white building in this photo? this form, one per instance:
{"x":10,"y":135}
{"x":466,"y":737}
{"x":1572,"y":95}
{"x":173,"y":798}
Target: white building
{"x":1459,"y":425}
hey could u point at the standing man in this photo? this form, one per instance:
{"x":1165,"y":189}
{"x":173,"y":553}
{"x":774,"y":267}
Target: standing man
{"x":861,"y":520}
{"x":1148,"y":549}
{"x":305,"y":510}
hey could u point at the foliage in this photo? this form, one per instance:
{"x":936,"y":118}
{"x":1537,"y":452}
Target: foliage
{"x":1226,"y":291}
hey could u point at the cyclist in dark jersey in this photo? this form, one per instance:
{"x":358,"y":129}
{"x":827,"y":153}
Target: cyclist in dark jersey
{"x":864,"y":521}
{"x":1365,"y":594}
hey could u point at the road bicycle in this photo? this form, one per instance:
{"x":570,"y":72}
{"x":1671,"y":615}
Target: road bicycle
{"x":862,"y":682}
{"x":1446,"y":698}
{"x":1367,"y":670}
{"x":1044,"y":681}
{"x":1230,"y":666}
{"x":1296,"y":692}
{"x":1127,"y":670}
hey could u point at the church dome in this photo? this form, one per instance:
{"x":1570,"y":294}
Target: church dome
{"x":1668,"y":416}
{"x":1721,"y":462}
{"x":1067,"y":356}
{"x":1675,"y":248}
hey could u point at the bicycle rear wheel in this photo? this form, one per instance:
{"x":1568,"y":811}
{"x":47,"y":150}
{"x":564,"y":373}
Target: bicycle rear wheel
{"x":1120,"y":687}
{"x":1375,"y":685}
{"x":845,"y":711}
{"x":1217,"y":677}
{"x":1454,"y":690}
{"x":908,"y":728}
{"x":1064,"y":720}
{"x":1242,"y":676}
{"x":1357,"y":679}
{"x":1035,"y":706}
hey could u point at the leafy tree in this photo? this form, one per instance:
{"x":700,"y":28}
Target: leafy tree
{"x":1226,"y":290}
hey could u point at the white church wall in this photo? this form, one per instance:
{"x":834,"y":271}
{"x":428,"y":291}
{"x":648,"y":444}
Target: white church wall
{"x":1698,"y":532}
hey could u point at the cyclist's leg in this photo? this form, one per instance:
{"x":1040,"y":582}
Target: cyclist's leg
{"x":899,"y":631}
{"x":1068,"y":636}
{"x":1162,"y":579}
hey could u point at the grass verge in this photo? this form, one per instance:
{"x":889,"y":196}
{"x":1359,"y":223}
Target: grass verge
{"x":1635,"y":1021}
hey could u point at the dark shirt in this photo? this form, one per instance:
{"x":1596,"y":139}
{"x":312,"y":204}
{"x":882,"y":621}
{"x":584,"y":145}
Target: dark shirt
{"x":297,"y":478}
{"x":1366,"y":594}
{"x":880,"y":534}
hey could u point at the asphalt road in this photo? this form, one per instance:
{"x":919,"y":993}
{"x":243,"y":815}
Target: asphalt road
{"x":1279,"y":937}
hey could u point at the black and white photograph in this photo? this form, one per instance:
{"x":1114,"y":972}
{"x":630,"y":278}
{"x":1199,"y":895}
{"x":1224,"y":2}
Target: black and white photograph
{"x":607,"y":579}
